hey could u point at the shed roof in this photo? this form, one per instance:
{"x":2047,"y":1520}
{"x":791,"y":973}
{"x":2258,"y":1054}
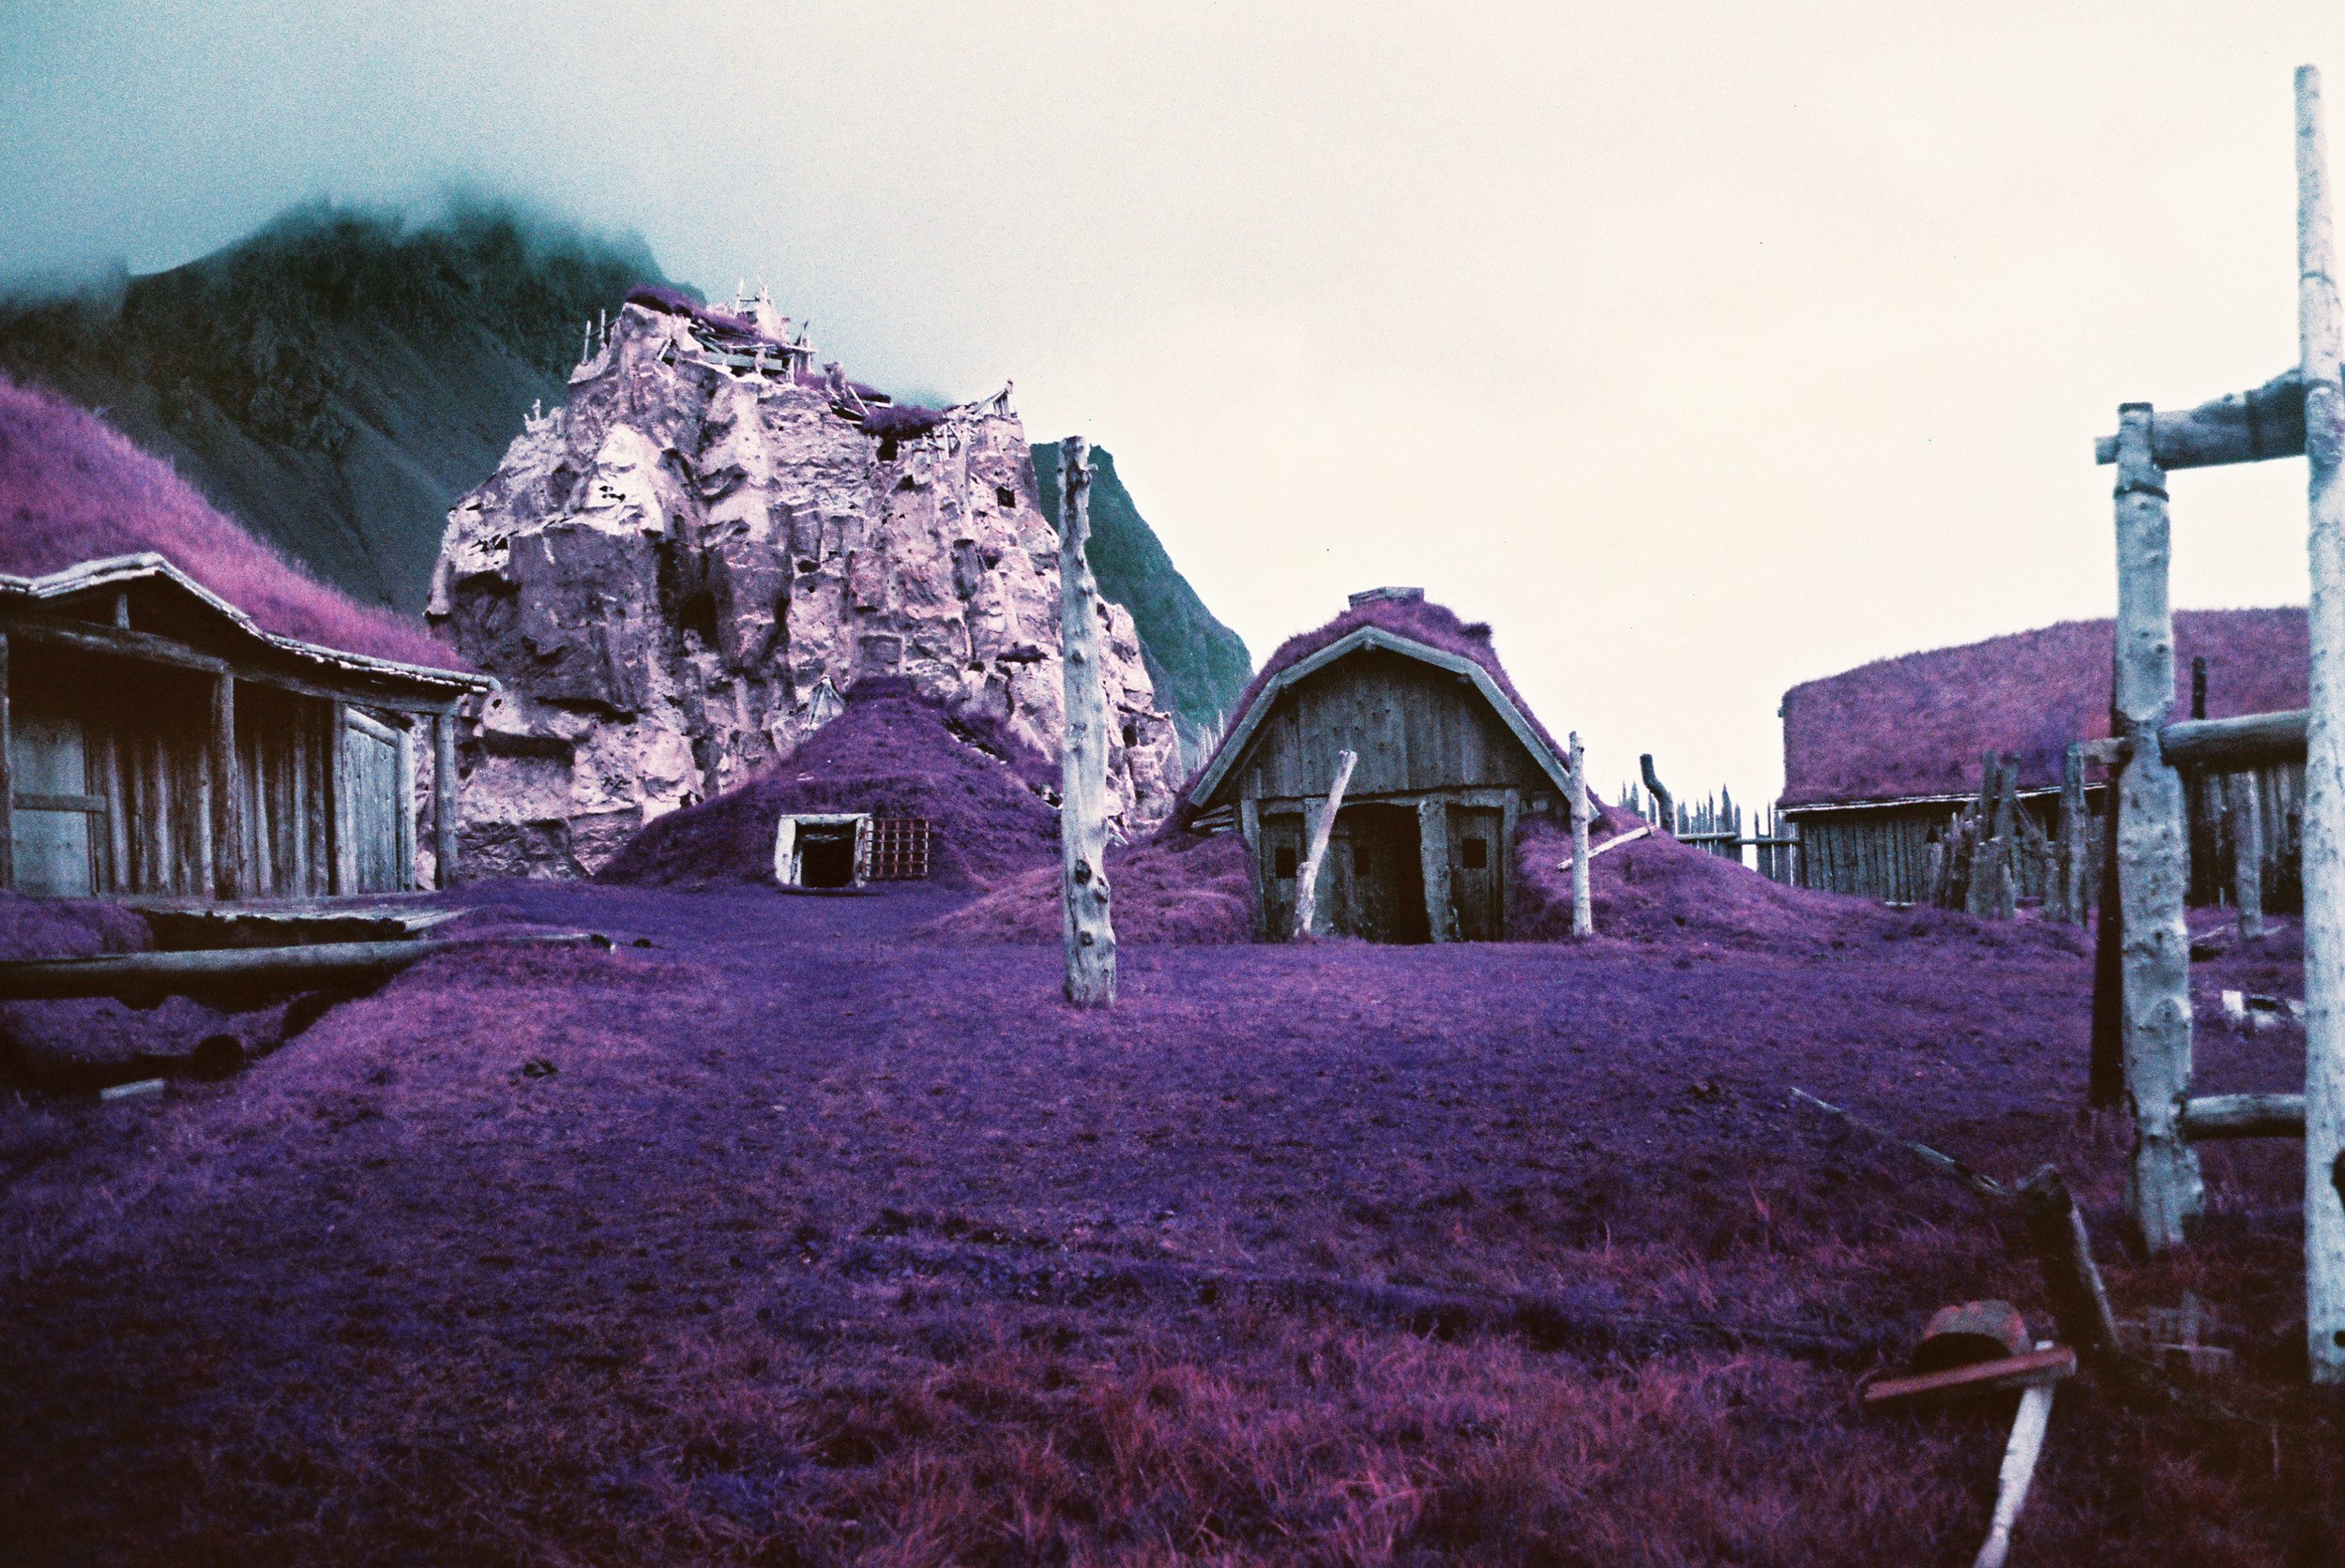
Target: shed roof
{"x":1917,"y":725}
{"x":1401,"y":622}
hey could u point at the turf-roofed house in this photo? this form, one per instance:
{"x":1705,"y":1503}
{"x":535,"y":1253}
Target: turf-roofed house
{"x":1449,"y":759}
{"x":182,"y":714}
{"x":1878,"y":761}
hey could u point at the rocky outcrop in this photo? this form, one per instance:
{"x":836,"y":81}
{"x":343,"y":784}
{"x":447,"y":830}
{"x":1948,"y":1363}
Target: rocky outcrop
{"x":685,"y":570}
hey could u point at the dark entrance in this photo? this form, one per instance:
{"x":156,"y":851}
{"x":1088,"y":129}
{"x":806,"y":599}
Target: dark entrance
{"x":1376,"y":882}
{"x":825,"y":855}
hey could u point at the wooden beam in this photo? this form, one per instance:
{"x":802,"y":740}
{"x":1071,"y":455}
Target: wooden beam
{"x":150,"y":977}
{"x":404,"y":844}
{"x":2243,"y":426}
{"x":1315,"y":856}
{"x":1088,"y":929}
{"x":1432,"y":849}
{"x":2164,"y":1192}
{"x":2318,"y":332}
{"x":341,"y":840}
{"x":94,"y":637}
{"x":229,"y":877}
{"x":2227,"y":745}
{"x":443,"y":792}
{"x":2219,"y":1116}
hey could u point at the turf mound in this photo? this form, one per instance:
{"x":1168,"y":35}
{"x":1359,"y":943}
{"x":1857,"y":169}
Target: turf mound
{"x":893,"y":753}
{"x":1181,"y":887}
{"x":1657,"y":889}
{"x":73,"y":489}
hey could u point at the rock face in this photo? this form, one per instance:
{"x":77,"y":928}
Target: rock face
{"x":687,"y":568}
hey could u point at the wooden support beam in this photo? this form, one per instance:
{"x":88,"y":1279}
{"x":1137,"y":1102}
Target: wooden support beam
{"x":229,"y":879}
{"x":341,"y":840}
{"x":1432,"y":847}
{"x":443,"y":790}
{"x":2206,"y":1117}
{"x":2164,"y":1191}
{"x":2246,"y":852}
{"x":404,"y":829}
{"x":2317,"y":331}
{"x":1315,"y":856}
{"x":1583,"y":909}
{"x":147,"y":977}
{"x":1082,"y":819}
{"x":2243,"y":427}
{"x":2073,"y":850}
{"x":2224,"y":744}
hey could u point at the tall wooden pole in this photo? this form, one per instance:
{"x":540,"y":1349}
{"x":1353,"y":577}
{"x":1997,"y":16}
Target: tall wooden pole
{"x":1082,"y":816}
{"x":1582,"y":909}
{"x":444,"y":787}
{"x":1323,"y":828}
{"x":2164,"y":1192}
{"x":229,"y":876}
{"x":7,"y":781}
{"x":2318,"y":328}
{"x":2072,"y":846}
{"x":2247,"y":856}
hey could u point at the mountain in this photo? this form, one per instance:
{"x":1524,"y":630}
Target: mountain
{"x":337,"y":378}
{"x":1199,"y":665}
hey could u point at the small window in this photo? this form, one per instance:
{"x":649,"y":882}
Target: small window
{"x":1359,"y":856}
{"x":1006,"y":498}
{"x":1475,"y":855}
{"x":1282,"y":862}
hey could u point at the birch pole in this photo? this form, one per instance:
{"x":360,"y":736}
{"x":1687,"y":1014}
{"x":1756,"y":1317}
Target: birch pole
{"x":2163,"y":1193}
{"x":2318,"y":328}
{"x":2247,"y":856}
{"x":1582,"y":911}
{"x":1306,"y":878}
{"x":1082,"y":815}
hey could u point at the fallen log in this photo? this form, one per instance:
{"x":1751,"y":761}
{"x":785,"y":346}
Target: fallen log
{"x":147,"y":977}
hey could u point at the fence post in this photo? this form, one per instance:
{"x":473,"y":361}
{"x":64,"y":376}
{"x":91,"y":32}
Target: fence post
{"x":2164,"y":1193}
{"x":1582,"y":913}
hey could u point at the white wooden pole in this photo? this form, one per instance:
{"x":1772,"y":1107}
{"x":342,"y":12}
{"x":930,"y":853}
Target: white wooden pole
{"x":1082,"y":819}
{"x":2164,"y":1193}
{"x":2018,"y":1470}
{"x":1582,"y":909}
{"x":2318,"y":329}
{"x":2247,"y":853}
{"x":1306,"y":878}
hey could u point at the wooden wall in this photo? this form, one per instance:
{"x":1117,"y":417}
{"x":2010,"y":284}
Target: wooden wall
{"x":1416,"y":728}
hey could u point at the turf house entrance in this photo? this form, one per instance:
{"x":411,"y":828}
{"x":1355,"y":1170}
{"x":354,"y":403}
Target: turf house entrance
{"x":1448,"y":760}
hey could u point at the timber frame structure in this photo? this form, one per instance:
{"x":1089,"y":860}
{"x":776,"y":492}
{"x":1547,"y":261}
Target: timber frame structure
{"x":1446,"y":764}
{"x":154,"y":742}
{"x":2143,"y":1032}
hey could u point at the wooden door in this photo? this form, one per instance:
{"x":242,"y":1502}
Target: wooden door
{"x":371,"y":757}
{"x":1378,"y":882}
{"x":1279,"y":857}
{"x":1477,"y":871}
{"x":52,"y":838}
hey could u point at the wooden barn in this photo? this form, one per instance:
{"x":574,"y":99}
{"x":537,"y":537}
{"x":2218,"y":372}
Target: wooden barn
{"x":154,"y":741}
{"x":1879,"y":760}
{"x":1448,"y":759}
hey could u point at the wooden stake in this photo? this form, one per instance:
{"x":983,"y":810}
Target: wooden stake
{"x":1582,"y":909}
{"x":2019,"y":1470}
{"x":2317,"y":343}
{"x":2164,"y":1192}
{"x":1306,"y":876}
{"x":2056,"y":1234}
{"x":1082,"y":819}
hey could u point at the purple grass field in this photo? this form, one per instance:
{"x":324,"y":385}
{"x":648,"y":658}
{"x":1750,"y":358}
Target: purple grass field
{"x":791,"y":1232}
{"x":74,"y":489}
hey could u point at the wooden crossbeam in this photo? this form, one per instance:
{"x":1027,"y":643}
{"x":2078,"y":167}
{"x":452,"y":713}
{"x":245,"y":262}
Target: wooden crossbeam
{"x":2244,"y":426}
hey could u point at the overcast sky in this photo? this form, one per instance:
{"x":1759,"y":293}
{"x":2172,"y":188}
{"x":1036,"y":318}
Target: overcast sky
{"x":1702,"y":349}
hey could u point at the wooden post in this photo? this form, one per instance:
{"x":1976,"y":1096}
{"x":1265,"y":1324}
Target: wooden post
{"x":2107,"y":1080}
{"x":443,"y":869}
{"x":8,"y":779}
{"x":1433,"y":840}
{"x":1582,"y":911}
{"x":2317,"y":331}
{"x":2198,"y":687}
{"x":2072,"y":847}
{"x":1082,"y":815}
{"x":341,"y":876}
{"x":2246,"y":852}
{"x":2164,"y":1192}
{"x":404,"y":830}
{"x":1306,"y":876}
{"x":228,"y":872}
{"x":1664,"y":803}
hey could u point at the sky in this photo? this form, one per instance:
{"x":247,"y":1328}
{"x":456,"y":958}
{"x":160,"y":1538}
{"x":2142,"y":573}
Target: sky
{"x":1700,"y":349}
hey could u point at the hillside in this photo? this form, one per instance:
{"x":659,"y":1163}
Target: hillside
{"x":1199,"y":665}
{"x":335,"y":378}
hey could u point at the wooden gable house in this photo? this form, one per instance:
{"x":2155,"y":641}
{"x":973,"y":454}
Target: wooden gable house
{"x":1448,"y":760}
{"x":154,"y":741}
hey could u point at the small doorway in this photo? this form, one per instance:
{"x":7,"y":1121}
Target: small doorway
{"x":1376,"y":884}
{"x":826,"y":853}
{"x":1477,"y":892}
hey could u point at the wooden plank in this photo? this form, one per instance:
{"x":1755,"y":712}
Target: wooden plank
{"x":2164,"y":1193}
{"x":2220,"y":1116}
{"x":1433,"y":846}
{"x":230,"y":872}
{"x":2024,"y":1370}
{"x":404,"y":801}
{"x":2320,"y":330}
{"x":341,"y":827}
